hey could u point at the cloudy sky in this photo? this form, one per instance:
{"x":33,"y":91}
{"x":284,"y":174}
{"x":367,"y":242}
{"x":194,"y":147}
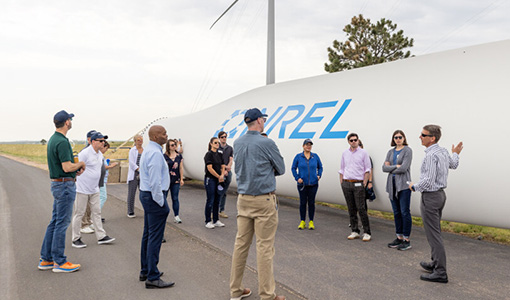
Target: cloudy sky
{"x":119,"y":64}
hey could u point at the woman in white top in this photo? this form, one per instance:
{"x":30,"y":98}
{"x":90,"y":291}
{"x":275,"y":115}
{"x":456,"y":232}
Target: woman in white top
{"x":133,"y":176}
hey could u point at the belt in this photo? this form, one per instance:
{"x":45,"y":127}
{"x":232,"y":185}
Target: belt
{"x":351,"y":180}
{"x":270,"y":193}
{"x":63,"y":179}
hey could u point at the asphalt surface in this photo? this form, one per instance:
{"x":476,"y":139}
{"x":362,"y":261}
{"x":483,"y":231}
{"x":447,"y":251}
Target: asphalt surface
{"x":319,"y":264}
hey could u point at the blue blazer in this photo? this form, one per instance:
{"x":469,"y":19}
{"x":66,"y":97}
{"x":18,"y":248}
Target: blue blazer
{"x":307,"y":169}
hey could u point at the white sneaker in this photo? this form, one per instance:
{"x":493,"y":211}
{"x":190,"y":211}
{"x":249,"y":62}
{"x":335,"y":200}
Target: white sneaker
{"x":87,"y":229}
{"x":366,"y":237}
{"x":219,"y":224}
{"x":209,"y":225}
{"x":354,"y":235}
{"x":177,"y":219}
{"x":92,"y":227}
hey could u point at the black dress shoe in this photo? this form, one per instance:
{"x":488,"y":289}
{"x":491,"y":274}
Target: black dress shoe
{"x":434,"y":278}
{"x":158,"y":284}
{"x":429,"y":267}
{"x":143,"y":277}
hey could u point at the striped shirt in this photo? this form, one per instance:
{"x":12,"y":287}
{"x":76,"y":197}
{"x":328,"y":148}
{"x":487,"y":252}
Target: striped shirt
{"x":434,"y":169}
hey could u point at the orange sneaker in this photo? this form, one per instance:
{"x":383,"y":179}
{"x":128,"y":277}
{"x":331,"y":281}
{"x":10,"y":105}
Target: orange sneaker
{"x":45,"y":265}
{"x":66,"y":268}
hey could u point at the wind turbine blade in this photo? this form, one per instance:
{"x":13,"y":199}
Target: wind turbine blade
{"x":223,"y":13}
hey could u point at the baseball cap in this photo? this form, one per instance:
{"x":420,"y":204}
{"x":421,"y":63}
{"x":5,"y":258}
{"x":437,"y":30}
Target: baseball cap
{"x":98,"y":135}
{"x":91,"y":133}
{"x":253,"y":114}
{"x":307,"y":141}
{"x":62,"y":116}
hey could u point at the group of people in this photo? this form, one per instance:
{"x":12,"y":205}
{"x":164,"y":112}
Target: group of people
{"x":80,"y":181}
{"x":257,"y":161}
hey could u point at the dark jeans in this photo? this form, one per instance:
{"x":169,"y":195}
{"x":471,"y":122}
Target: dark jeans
{"x":154,"y":223}
{"x":356,"y":203}
{"x":223,"y":194}
{"x":174,"y":193}
{"x":213,"y":199}
{"x":307,"y":196}
{"x":402,"y":213}
{"x":54,"y":242}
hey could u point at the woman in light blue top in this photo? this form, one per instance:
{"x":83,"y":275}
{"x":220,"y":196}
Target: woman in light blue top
{"x":398,"y":166}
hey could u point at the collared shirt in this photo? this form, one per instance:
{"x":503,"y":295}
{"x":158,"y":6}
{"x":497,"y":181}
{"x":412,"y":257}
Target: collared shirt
{"x":88,"y":181}
{"x":58,"y":151}
{"x":257,"y":162}
{"x":226,"y":152}
{"x":434,"y":169}
{"x":355,"y":164}
{"x":154,"y":175}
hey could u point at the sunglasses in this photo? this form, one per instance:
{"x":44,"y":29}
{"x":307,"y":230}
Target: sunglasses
{"x":425,"y":135}
{"x":215,"y":143}
{"x":172,"y":145}
{"x":223,"y":137}
{"x":398,"y":137}
{"x":101,"y":141}
{"x":353,"y":140}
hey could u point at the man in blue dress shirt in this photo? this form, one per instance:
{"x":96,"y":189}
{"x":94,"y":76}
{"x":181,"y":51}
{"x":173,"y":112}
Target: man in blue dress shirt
{"x":154,"y":184}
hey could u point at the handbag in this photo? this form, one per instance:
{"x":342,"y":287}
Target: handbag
{"x":369,"y":194}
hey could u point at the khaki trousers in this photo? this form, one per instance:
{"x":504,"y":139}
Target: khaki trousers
{"x":80,"y":206}
{"x":256,"y":215}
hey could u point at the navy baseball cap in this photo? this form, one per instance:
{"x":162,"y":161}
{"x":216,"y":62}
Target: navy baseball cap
{"x":91,"y":133}
{"x":307,"y":141}
{"x":98,"y":135}
{"x":253,"y":114}
{"x":62,"y":116}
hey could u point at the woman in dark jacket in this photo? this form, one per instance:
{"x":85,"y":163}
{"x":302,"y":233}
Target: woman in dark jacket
{"x":398,"y":165}
{"x":214,"y":176}
{"x":307,"y":170}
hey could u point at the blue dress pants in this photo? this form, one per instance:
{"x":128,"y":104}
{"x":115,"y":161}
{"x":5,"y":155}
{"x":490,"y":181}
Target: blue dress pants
{"x":153,"y":232}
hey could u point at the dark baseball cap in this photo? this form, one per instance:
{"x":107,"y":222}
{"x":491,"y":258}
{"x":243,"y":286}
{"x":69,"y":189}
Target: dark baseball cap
{"x":62,"y":116}
{"x":307,"y":141}
{"x":253,"y":114}
{"x":91,"y":133}
{"x":98,"y":135}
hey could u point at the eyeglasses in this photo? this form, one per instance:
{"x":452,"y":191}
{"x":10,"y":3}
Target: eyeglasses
{"x":353,"y":140}
{"x":223,"y":137}
{"x":425,"y":135}
{"x":398,"y":137}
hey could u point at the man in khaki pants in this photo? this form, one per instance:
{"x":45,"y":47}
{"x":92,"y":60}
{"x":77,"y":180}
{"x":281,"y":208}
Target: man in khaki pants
{"x":257,"y":162}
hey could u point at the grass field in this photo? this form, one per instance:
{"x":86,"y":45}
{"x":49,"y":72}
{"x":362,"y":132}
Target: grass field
{"x":37,"y":153}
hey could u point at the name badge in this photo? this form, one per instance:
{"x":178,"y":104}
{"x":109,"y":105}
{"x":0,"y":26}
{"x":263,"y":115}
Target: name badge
{"x":357,"y":184}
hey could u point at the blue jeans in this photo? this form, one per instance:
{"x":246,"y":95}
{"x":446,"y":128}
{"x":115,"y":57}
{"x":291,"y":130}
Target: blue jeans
{"x":402,"y":213}
{"x":174,"y":193}
{"x":213,"y":199}
{"x":223,"y":194}
{"x":54,"y":242}
{"x":153,"y":231}
{"x":307,"y":196}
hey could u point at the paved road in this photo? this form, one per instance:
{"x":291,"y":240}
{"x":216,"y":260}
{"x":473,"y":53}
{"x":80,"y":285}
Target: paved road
{"x":320,"y":264}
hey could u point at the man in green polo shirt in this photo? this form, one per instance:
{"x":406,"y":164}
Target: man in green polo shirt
{"x":63,"y":171}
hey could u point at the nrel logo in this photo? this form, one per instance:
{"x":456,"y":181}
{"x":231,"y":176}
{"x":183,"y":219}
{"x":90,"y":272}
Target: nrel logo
{"x":235,"y":126}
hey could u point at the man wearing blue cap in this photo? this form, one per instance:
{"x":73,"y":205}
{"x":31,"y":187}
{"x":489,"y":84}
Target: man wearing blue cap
{"x":63,"y":172}
{"x":257,"y":163}
{"x":87,"y":188}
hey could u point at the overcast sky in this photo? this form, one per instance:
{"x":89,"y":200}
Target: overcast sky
{"x":119,"y":64}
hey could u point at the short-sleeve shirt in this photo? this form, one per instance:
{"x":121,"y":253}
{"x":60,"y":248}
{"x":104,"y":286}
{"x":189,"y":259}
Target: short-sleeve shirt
{"x":88,"y":181}
{"x":58,"y":151}
{"x":216,"y":160}
{"x":227,"y":152}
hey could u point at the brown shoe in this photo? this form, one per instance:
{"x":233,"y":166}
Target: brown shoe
{"x":246,"y":293}
{"x":279,"y":298}
{"x":223,"y":215}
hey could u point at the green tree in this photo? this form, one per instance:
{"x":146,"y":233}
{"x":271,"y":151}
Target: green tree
{"x":367,"y":44}
{"x":43,"y":141}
